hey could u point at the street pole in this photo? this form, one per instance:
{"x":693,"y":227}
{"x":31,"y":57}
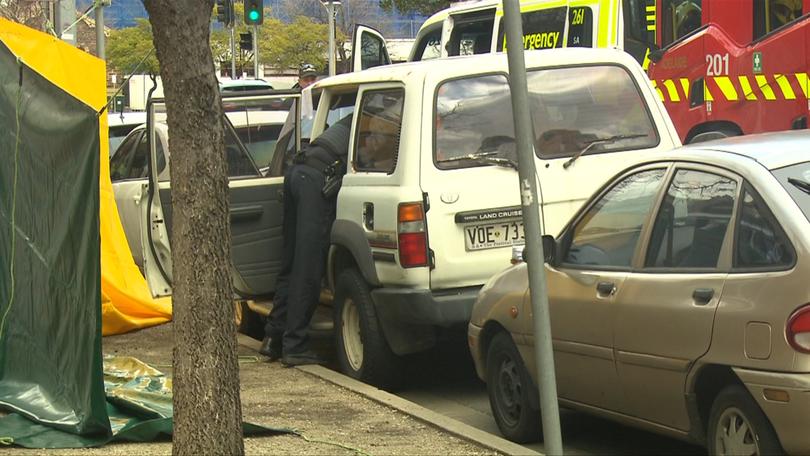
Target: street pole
{"x":100,"y":43}
{"x":233,"y":53}
{"x":57,"y":18}
{"x":330,"y":9}
{"x":544,"y":354}
{"x":255,"y":51}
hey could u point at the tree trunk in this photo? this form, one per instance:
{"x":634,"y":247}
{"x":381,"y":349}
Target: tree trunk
{"x":207,"y":408}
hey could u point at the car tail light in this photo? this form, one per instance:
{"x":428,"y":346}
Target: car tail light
{"x":412,"y":235}
{"x":798,"y":329}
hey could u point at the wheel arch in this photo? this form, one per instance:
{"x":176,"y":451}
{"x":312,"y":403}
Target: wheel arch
{"x":350,"y":248}
{"x":724,"y":127}
{"x":705,"y":384}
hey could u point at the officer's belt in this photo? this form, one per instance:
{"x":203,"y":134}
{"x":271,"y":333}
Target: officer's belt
{"x":316,"y":164}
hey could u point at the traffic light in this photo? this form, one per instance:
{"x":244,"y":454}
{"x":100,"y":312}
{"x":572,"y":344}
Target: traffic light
{"x":254,"y":12}
{"x":246,"y":41}
{"x":225,"y":12}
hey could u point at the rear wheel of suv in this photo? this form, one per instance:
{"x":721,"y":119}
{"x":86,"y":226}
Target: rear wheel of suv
{"x":362,"y":350}
{"x":737,"y":426}
{"x":508,"y":385}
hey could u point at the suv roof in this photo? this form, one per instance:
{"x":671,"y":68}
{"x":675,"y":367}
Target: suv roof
{"x":493,"y":62}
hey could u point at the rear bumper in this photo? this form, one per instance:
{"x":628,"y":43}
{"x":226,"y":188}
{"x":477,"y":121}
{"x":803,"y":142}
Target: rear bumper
{"x":789,"y":419}
{"x":409,"y":317}
{"x":444,"y":308}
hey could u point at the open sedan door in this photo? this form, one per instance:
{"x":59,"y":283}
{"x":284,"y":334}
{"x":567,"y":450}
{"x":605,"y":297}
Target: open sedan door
{"x":252,"y":124}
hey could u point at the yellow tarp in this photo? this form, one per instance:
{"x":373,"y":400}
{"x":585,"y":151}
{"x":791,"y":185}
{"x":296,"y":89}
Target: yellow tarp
{"x":126,"y":303}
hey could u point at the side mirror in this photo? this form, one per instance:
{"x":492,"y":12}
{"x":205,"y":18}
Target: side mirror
{"x":549,"y":248}
{"x":656,"y":56}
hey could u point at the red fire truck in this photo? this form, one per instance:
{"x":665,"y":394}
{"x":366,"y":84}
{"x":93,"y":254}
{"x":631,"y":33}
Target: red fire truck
{"x":728,"y":67}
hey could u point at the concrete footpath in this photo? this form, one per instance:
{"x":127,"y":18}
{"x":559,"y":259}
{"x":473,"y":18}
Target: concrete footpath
{"x":335,"y":414}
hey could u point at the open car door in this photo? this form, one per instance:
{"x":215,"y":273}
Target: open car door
{"x":368,"y":48}
{"x":256,"y":163}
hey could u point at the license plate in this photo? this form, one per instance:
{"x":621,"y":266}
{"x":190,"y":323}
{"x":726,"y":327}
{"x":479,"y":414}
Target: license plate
{"x":492,"y":235}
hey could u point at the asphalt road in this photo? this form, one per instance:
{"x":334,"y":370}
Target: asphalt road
{"x":445,"y":381}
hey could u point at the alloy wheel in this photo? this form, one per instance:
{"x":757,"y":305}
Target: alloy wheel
{"x":735,"y":436}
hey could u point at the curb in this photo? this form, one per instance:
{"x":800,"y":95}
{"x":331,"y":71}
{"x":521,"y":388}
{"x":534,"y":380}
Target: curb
{"x":449,"y":425}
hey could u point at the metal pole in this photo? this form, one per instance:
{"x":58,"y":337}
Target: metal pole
{"x":255,"y":51}
{"x":100,"y":43}
{"x":233,"y":53}
{"x":544,"y":355}
{"x":57,"y":18}
{"x":330,"y":9}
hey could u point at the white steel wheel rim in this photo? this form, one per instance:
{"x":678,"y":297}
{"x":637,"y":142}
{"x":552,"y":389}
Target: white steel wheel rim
{"x":350,"y":329}
{"x":735,"y":435}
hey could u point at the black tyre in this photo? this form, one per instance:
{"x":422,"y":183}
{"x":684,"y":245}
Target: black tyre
{"x":712,"y":135}
{"x":508,"y":385}
{"x":362,"y":351}
{"x":248,"y":322}
{"x":737,"y":426}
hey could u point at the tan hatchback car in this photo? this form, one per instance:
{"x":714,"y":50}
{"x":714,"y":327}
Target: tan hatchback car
{"x":680,"y":302}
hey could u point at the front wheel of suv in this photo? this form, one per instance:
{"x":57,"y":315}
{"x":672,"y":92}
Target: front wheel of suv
{"x":362,"y":351}
{"x":737,"y":426}
{"x":508,"y":385}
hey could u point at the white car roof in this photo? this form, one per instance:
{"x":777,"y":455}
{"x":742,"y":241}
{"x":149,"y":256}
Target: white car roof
{"x":479,"y":64}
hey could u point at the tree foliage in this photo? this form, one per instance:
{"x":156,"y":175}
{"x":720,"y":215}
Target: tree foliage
{"x":426,"y":7}
{"x":26,"y":12}
{"x":126,"y":47}
{"x":288,"y":45}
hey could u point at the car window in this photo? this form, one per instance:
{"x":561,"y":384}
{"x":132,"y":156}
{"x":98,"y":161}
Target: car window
{"x":769,"y":15}
{"x":161,"y":160}
{"x":760,"y":241}
{"x":239,"y":162}
{"x":372,"y":51}
{"x":139,"y":165}
{"x":429,"y":45}
{"x":472,"y":33}
{"x":796,"y":180}
{"x":691,"y":224}
{"x":473,"y":115}
{"x":119,"y":163}
{"x":607,"y":235}
{"x":598,"y":107}
{"x":679,"y":18}
{"x":378,"y":129}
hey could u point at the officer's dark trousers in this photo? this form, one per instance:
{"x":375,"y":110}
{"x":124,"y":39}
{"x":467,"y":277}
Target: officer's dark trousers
{"x":307,"y":221}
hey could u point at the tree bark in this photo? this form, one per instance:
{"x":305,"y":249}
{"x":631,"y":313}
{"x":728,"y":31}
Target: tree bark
{"x":207,"y":408}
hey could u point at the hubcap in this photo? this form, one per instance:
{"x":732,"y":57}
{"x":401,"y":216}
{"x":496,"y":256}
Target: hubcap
{"x":735,"y":436}
{"x":509,"y":391}
{"x":350,"y":330}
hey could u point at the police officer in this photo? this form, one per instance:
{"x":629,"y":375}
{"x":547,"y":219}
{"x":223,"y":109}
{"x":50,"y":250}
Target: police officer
{"x":306,"y":76}
{"x":308,"y":216}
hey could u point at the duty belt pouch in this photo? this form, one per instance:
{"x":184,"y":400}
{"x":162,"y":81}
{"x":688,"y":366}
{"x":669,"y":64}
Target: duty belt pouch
{"x":333,"y":177}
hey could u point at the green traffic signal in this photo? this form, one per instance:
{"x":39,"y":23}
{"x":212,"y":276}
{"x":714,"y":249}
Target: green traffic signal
{"x":253,"y":12}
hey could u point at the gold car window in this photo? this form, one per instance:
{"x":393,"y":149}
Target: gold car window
{"x":608,"y":233}
{"x":691,"y":225}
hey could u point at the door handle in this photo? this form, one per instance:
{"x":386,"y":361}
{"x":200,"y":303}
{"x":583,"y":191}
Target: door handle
{"x":606,"y":288}
{"x":702,"y":296}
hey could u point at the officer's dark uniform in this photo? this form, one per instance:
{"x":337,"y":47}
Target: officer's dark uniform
{"x":308,"y":217}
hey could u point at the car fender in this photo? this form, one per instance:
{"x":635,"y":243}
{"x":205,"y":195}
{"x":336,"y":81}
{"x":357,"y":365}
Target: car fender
{"x":351,"y":237}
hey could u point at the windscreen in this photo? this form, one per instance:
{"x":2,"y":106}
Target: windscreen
{"x":594,"y":107}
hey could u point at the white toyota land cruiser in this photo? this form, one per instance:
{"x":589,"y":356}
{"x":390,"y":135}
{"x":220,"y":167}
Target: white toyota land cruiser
{"x":429,"y":207}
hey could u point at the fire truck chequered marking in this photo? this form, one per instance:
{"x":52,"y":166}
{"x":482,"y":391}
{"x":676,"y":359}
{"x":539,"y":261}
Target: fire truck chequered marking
{"x":743,"y":88}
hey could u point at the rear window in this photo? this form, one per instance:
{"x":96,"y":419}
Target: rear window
{"x":796,"y":180}
{"x":596,"y":107}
